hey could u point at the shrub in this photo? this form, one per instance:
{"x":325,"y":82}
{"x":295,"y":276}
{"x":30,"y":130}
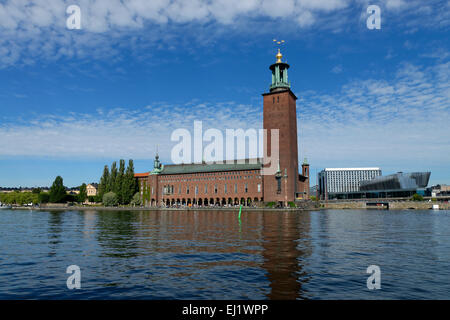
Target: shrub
{"x":417,"y":197}
{"x":314,"y":198}
{"x":110,"y":199}
{"x":292,"y":204}
{"x":270,"y":204}
{"x":136,"y":201}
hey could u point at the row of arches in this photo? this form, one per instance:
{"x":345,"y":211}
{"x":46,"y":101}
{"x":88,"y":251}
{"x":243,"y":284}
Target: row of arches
{"x":205,"y":202}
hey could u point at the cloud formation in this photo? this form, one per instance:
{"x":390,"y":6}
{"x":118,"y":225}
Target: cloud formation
{"x":400,"y":120}
{"x":36,"y":29}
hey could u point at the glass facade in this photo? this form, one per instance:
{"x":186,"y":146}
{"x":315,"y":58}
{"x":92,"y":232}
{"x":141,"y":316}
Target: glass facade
{"x":398,"y":181}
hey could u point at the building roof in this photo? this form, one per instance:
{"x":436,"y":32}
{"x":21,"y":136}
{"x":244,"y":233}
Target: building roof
{"x":141,"y":175}
{"x":235,"y":165}
{"x":350,"y":169}
{"x":205,"y":167}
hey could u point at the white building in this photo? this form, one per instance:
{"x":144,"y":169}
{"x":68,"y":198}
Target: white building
{"x":333,"y":181}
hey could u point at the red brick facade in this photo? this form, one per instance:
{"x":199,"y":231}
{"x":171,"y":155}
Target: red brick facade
{"x":203,"y":188}
{"x":280,"y":113}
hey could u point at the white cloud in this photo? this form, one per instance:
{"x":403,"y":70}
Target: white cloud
{"x":34,"y":29}
{"x":402,"y":119}
{"x":337,"y":69}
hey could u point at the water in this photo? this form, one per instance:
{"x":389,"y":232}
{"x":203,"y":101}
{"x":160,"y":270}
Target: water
{"x":210,"y":255}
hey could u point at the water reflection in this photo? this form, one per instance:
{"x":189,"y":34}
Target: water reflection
{"x":283,"y":255}
{"x":213,"y":255}
{"x":117,"y":233}
{"x":55,"y":221}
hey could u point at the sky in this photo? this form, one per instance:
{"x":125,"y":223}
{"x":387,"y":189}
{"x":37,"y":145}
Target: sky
{"x":73,"y":100}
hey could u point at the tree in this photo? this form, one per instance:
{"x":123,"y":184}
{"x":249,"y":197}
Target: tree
{"x":119,"y":181}
{"x":57,"y":191}
{"x":129,"y":184}
{"x":82,"y":196}
{"x":104,"y":182}
{"x":136,"y":201}
{"x":417,"y":197}
{"x":36,"y":190}
{"x":112,"y":177}
{"x":110,"y":199}
{"x":44,"y":197}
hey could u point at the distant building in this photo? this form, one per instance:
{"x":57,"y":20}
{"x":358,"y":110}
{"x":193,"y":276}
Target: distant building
{"x":313,"y":191}
{"x":440,"y":190}
{"x":337,"y":182}
{"x":398,"y":185}
{"x":73,"y":191}
{"x":92,"y":189}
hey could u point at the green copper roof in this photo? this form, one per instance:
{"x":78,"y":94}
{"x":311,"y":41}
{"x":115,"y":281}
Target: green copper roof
{"x":208,"y":167}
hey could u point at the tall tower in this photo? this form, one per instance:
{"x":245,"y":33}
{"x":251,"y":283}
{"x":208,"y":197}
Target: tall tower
{"x":280,"y":112}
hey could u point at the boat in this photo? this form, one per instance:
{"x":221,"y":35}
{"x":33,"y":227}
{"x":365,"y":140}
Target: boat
{"x":5,"y":207}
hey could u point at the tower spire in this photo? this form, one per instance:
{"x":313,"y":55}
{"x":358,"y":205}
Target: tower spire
{"x":279,"y":56}
{"x":279,"y":74}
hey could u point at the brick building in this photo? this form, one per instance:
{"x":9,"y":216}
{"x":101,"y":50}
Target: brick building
{"x":239,"y":182}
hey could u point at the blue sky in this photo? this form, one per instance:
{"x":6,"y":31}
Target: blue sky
{"x":72,"y":101}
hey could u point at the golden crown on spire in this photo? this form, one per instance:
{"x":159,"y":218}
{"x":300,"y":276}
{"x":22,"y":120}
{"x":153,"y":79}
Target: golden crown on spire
{"x":279,"y":56}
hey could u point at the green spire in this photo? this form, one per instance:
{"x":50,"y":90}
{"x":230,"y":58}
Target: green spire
{"x":279,"y":74}
{"x":157,"y":166}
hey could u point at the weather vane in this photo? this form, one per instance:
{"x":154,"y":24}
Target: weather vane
{"x":278,"y":43}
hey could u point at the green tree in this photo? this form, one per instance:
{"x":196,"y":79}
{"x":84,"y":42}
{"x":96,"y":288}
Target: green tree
{"x":417,"y":197}
{"x":57,"y":191}
{"x":104,"y":182}
{"x":44,"y":197}
{"x":110,"y":199}
{"x":97,"y":198}
{"x":112,"y":177}
{"x":119,"y":181}
{"x":82,"y":196}
{"x":136,"y":201}
{"x":36,"y":190}
{"x":129,"y":184}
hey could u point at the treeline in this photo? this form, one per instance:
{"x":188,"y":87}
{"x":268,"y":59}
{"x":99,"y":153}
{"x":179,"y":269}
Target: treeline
{"x":118,"y":185}
{"x":56,"y":194}
{"x":19,"y":198}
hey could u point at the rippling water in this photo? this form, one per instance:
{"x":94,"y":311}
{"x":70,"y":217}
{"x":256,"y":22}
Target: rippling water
{"x":210,"y":255}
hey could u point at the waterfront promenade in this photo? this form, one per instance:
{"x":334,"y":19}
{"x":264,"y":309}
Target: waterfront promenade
{"x":303,"y":206}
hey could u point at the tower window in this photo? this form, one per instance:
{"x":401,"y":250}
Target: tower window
{"x":278,"y":99}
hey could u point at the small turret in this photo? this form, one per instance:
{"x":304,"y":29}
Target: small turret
{"x":157,"y":166}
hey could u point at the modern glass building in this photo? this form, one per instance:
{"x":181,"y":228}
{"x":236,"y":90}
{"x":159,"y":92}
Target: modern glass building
{"x":334,"y":182}
{"x":397,"y":185}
